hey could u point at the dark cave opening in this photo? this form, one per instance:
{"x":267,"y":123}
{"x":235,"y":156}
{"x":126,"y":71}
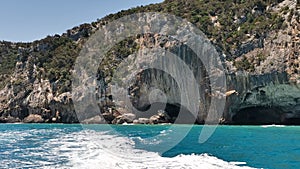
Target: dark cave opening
{"x":292,"y":121}
{"x":258,"y":116}
{"x":178,"y":114}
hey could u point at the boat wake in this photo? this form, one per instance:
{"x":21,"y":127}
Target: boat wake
{"x":102,"y":150}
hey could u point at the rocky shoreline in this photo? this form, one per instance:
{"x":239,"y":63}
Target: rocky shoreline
{"x":262,"y":73}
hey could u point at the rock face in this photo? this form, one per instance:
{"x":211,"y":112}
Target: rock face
{"x":124,"y":118}
{"x":28,"y":98}
{"x":261,"y":62}
{"x":263,"y":99}
{"x":33,"y":118}
{"x":94,"y":120}
{"x":141,"y":121}
{"x":161,"y":117}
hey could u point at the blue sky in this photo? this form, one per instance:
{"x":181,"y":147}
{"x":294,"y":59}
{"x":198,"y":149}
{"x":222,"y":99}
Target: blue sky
{"x":28,"y":20}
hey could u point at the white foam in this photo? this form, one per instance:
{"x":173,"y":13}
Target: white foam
{"x":238,"y":163}
{"x":94,"y":150}
{"x":273,"y":125}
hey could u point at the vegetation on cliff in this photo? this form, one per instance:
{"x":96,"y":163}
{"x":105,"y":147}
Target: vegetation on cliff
{"x":247,"y":34}
{"x":227,"y":23}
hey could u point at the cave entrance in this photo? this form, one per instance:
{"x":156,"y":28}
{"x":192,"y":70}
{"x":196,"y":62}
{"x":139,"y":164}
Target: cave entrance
{"x":292,"y":121}
{"x":178,"y":113}
{"x":257,"y":116}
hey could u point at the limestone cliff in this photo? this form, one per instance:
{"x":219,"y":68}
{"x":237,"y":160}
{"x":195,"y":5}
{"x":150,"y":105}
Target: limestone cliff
{"x":257,"y":41}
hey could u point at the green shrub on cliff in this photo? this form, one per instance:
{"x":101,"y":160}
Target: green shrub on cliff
{"x":235,"y":20}
{"x":250,"y":17}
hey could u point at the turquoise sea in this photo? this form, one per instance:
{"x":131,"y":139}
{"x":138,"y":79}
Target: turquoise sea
{"x":146,"y":146}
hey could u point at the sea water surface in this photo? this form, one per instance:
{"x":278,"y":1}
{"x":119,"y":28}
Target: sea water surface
{"x":147,"y":146}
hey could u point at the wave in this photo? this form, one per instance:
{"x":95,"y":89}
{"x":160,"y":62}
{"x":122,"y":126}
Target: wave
{"x":102,"y":150}
{"x":28,"y":148}
{"x":54,"y":148}
{"x":272,"y":125}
